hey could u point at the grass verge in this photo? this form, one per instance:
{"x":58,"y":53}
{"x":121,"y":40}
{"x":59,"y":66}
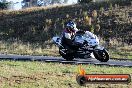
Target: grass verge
{"x":18,"y":74}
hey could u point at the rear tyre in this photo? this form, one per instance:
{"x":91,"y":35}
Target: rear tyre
{"x":67,"y":56}
{"x":101,"y":55}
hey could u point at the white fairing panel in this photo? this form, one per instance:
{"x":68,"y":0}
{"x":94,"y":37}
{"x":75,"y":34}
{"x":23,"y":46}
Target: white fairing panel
{"x":92,"y":42}
{"x":57,"y":40}
{"x":79,"y":39}
{"x":89,"y":37}
{"x":89,"y":34}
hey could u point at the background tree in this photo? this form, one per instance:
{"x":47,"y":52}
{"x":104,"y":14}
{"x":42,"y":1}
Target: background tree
{"x":65,"y":1}
{"x":3,"y":4}
{"x":84,"y":1}
{"x":29,"y":3}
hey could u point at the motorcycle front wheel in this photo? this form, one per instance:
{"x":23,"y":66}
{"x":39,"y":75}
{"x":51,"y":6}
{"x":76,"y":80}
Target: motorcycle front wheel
{"x":101,"y":55}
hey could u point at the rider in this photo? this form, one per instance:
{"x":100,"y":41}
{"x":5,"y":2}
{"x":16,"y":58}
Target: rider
{"x":68,"y":35}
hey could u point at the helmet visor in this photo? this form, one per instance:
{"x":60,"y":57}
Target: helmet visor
{"x":71,"y":29}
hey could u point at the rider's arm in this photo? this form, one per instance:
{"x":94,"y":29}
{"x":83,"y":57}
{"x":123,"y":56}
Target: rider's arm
{"x":67,"y":35}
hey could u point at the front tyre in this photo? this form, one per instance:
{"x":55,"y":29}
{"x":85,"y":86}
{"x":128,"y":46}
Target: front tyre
{"x":101,"y":55}
{"x":67,"y":56}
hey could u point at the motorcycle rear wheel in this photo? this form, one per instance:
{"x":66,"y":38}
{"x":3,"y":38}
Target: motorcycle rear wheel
{"x":66,"y":56}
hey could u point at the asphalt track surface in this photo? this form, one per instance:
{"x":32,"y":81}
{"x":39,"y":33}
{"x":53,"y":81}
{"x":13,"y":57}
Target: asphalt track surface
{"x":111,"y":62}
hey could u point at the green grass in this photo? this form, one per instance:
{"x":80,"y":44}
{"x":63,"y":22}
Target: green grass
{"x":118,"y":49}
{"x":17,"y":74}
{"x":27,"y":49}
{"x":121,"y":52}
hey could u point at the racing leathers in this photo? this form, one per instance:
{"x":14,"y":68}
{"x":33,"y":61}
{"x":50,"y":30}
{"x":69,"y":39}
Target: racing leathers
{"x":68,"y":38}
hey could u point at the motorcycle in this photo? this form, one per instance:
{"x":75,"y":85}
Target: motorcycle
{"x":90,"y":44}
